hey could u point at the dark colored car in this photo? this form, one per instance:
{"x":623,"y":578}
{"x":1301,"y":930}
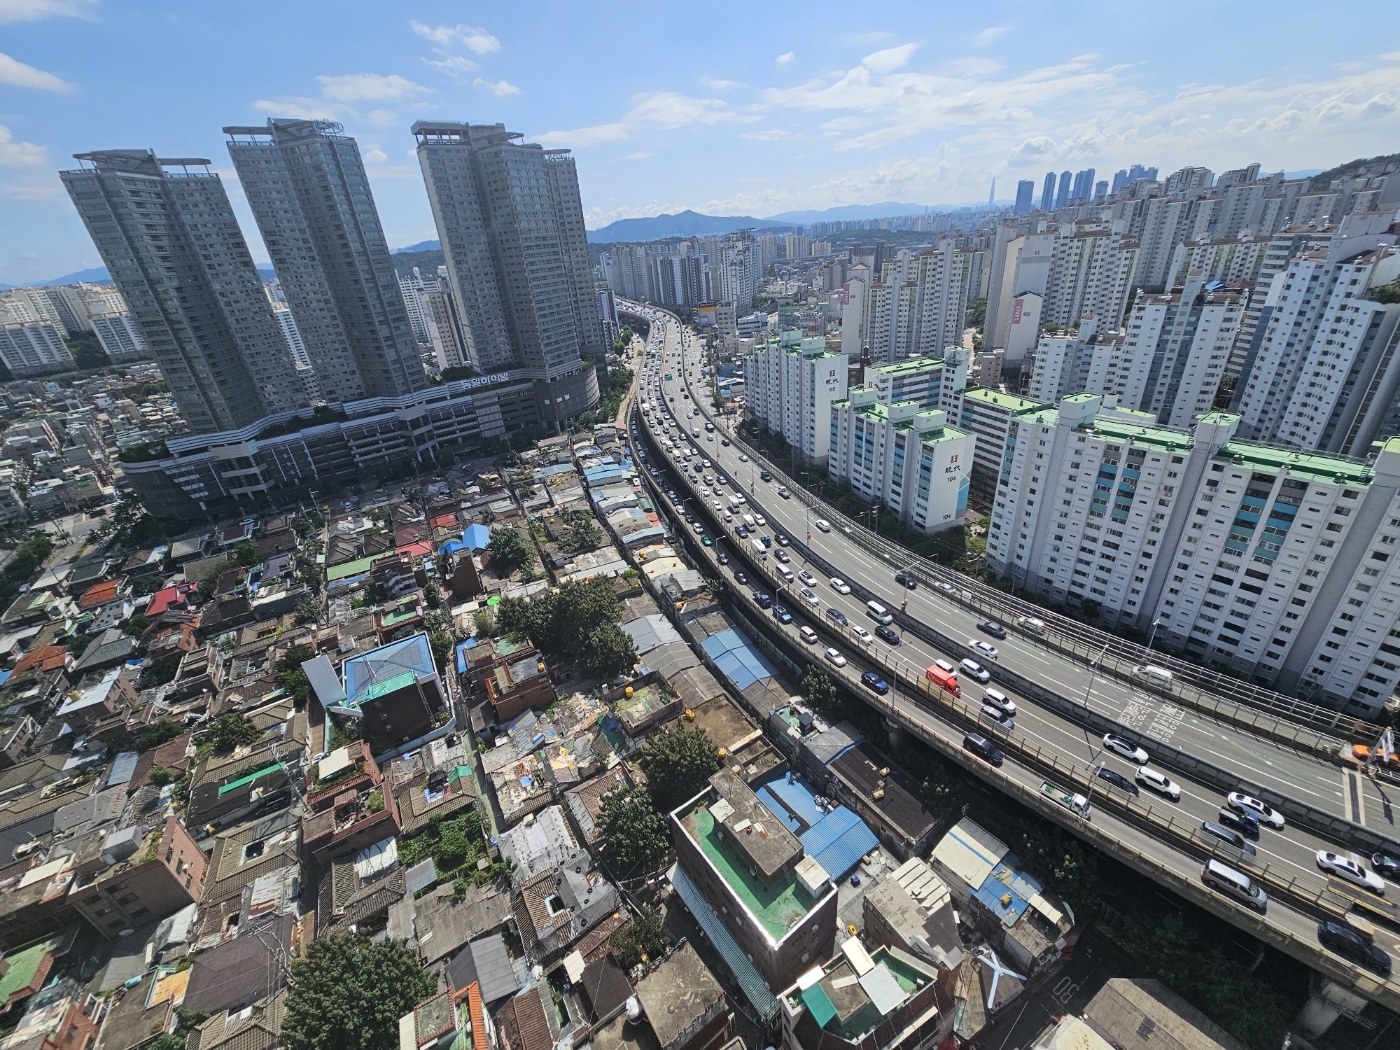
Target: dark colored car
{"x":982,"y":748}
{"x":763,"y":601}
{"x":782,"y":615}
{"x":1349,"y":944}
{"x":742,"y":532}
{"x":723,"y":558}
{"x":875,"y":683}
{"x":1246,"y":824}
{"x":1117,"y":779}
{"x":763,"y":475}
{"x":991,"y":627}
{"x":780,"y":539}
{"x":904,"y":579}
{"x":782,"y":555}
{"x":887,"y":634}
{"x":741,"y":578}
{"x":837,"y":616}
{"x":1384,"y":864}
{"x":724,"y":441}
{"x":1234,"y":838}
{"x":765,"y":541}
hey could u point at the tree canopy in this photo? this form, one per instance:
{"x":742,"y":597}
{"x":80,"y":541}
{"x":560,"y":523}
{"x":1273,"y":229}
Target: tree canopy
{"x":349,"y":993}
{"x":636,"y":832}
{"x":231,"y":730}
{"x":511,"y":549}
{"x":678,"y":764}
{"x":819,"y":691}
{"x":642,"y":939}
{"x":575,"y":622}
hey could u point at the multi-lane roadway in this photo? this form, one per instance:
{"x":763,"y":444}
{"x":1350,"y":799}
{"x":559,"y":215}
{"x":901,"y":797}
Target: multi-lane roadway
{"x":682,"y":405}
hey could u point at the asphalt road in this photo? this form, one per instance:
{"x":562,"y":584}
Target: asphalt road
{"x":1287,"y":854}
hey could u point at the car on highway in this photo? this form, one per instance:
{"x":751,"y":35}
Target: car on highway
{"x":862,"y":635}
{"x":946,"y":588}
{"x":765,"y":541}
{"x":722,"y":557}
{"x":782,"y":555}
{"x":1242,"y":803}
{"x":997,"y":715}
{"x":840,"y":586}
{"x":705,"y":541}
{"x":720,"y":479}
{"x":944,"y":665}
{"x":807,"y":578}
{"x":743,"y":458}
{"x":1158,"y":782}
{"x":1224,"y":834}
{"x":1117,"y":779}
{"x":1349,"y":944}
{"x":742,"y":532}
{"x":1348,"y":870}
{"x":1247,"y":824}
{"x":781,"y":539}
{"x":887,"y":634}
{"x":760,"y":521}
{"x":997,"y":698}
{"x":724,"y":441}
{"x":1119,"y":746}
{"x":809,"y":597}
{"x":741,"y":578}
{"x":976,"y":670}
{"x":783,"y":491}
{"x":983,"y":748}
{"x":834,"y":657}
{"x":1385,"y":864}
{"x":991,"y":627}
{"x":837,"y":616}
{"x":808,"y":635}
{"x":822,"y":525}
{"x":905,"y":579}
{"x":763,"y":601}
{"x":1234,"y":883}
{"x":782,"y":615}
{"x":987,"y":649}
{"x":874,"y":683}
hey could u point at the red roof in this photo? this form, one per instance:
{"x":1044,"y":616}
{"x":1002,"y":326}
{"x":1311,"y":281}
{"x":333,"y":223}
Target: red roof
{"x":164,"y":598}
{"x":99,"y":594}
{"x":44,"y":657}
{"x":420,"y":549}
{"x":446,"y":520}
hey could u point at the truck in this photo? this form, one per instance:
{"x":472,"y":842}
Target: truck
{"x":1069,"y":799}
{"x":944,"y":680}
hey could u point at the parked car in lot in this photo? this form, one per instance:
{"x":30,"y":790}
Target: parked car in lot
{"x":1349,"y":944}
{"x":983,"y":748}
{"x":1122,"y":747}
{"x":874,"y":683}
{"x":1158,"y":782}
{"x":1265,"y":814}
{"x":976,"y":670}
{"x":991,"y":627}
{"x":1117,"y":779}
{"x":1348,"y":870}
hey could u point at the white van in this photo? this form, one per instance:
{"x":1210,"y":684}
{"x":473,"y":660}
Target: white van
{"x":1236,"y":884}
{"x":759,"y":551}
{"x":1154,"y":674}
{"x":785,"y":573}
{"x":748,"y":520}
{"x":1032,"y":624}
{"x":735,"y":502}
{"x":878,"y":613}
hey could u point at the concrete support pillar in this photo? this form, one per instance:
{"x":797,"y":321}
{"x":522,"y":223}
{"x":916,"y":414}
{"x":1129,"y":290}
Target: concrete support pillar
{"x":896,"y":734}
{"x":1328,"y":1001}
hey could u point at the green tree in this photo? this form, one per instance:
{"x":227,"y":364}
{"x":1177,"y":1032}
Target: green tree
{"x":608,"y":652}
{"x":582,"y":536}
{"x":485,"y":623}
{"x":87,"y":351}
{"x":245,"y":554}
{"x":154,"y":734}
{"x":160,"y":775}
{"x":641,"y":940}
{"x":976,"y":315}
{"x":136,"y":626}
{"x":307,"y":610}
{"x":348,"y":993}
{"x":511,"y":549}
{"x":636,"y":832}
{"x":678,"y":764}
{"x":1067,"y":866}
{"x":820,"y":692}
{"x":186,"y":1021}
{"x":231,"y":730}
{"x":291,"y":675}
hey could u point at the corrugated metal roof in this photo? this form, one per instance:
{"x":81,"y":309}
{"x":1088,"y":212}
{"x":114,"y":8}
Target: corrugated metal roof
{"x":751,"y":981}
{"x":838,"y":841}
{"x":123,"y":766}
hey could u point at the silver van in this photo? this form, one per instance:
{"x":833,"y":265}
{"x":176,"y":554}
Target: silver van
{"x":1224,"y":879}
{"x":1154,"y":674}
{"x":878,"y":613}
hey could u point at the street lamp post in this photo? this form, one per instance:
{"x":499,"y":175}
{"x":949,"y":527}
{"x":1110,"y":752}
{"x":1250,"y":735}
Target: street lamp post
{"x":1153,"y":634}
{"x":1093,"y":674}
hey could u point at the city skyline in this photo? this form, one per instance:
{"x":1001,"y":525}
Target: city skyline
{"x":871,"y":114}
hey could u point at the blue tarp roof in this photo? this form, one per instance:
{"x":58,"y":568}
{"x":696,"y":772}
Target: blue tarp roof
{"x":461,"y":651}
{"x":779,"y":810}
{"x":1014,"y":887}
{"x":798,"y":799}
{"x":838,"y":841}
{"x":477,"y":536}
{"x":379,"y":665}
{"x":453,"y":546}
{"x":737,"y":660}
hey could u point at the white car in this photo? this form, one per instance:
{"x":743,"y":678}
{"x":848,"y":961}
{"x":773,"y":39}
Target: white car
{"x":834,"y":657}
{"x":760,"y":520}
{"x":997,"y":698}
{"x":1120,"y":746}
{"x":809,"y":597}
{"x":976,"y":670}
{"x":1158,"y":782}
{"x":945,"y":665}
{"x":743,"y":458}
{"x":987,"y":649}
{"x":807,"y":578}
{"x":808,"y":635}
{"x":822,"y":525}
{"x":1348,"y":869}
{"x":862,"y":635}
{"x":1242,"y":803}
{"x":840,"y":586}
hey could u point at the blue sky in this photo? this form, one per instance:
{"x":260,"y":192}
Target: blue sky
{"x":722,"y":107}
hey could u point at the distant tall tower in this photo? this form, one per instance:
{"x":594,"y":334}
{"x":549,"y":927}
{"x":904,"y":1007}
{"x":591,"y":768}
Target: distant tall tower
{"x":992,"y":197}
{"x":309,"y":193}
{"x":168,"y":236}
{"x":1047,"y":194}
{"x":511,"y":223}
{"x":1062,"y":197}
{"x":1025,"y":194}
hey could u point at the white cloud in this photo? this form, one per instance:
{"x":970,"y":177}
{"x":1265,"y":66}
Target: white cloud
{"x":452,"y":65}
{"x":375,"y":155}
{"x":13,"y":71}
{"x":382,"y":118}
{"x":664,"y":110}
{"x":16,"y":154}
{"x":890,"y":59}
{"x":772,"y":135}
{"x":866,"y":39}
{"x":368,"y":87}
{"x":643,"y":155}
{"x":298,"y":107}
{"x":989,"y":35}
{"x":475,"y":39}
{"x":715,"y":84}
{"x":785,"y":57}
{"x":499,"y":88}
{"x":38,"y":10}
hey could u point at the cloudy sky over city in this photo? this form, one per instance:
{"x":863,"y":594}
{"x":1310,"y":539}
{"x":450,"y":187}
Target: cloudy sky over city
{"x":726,"y":108}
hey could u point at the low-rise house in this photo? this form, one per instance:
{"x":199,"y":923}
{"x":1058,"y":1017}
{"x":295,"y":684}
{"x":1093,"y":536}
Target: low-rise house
{"x":347,"y":806}
{"x":142,"y":873}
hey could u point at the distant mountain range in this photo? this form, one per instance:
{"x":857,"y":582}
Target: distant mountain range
{"x":859,"y":211}
{"x":682,"y":224}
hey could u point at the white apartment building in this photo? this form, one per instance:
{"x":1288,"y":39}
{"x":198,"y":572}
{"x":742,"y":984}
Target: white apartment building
{"x":990,"y":416}
{"x":920,"y":379}
{"x":916,"y":307}
{"x":1277,"y":565}
{"x":907,"y":459}
{"x":1230,"y":261}
{"x":121,"y":339}
{"x":1324,"y":375}
{"x":34,"y":348}
{"x":790,"y":384}
{"x":1090,"y":273}
{"x":1073,"y":360}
